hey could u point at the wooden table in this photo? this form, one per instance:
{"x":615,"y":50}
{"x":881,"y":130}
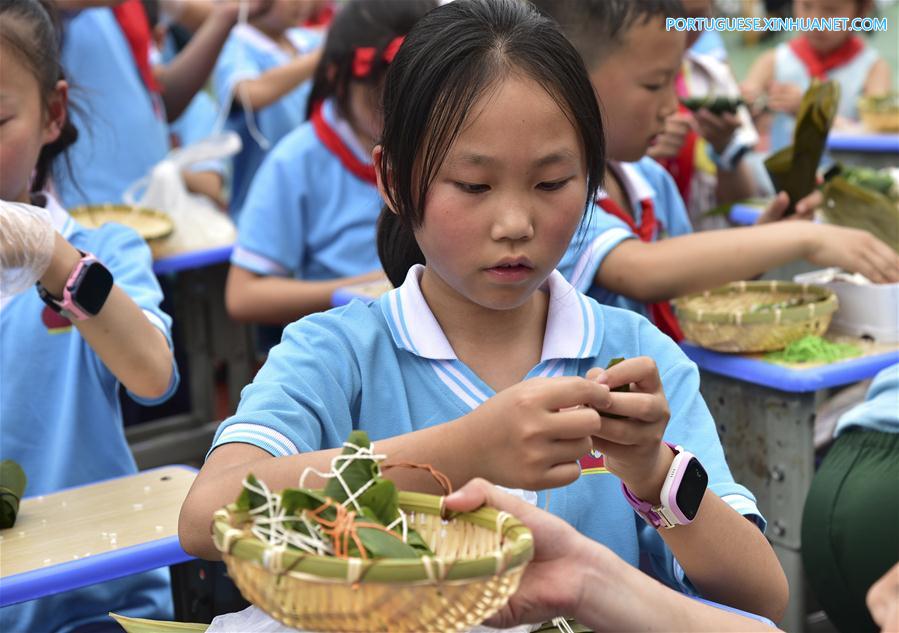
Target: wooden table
{"x":93,"y":533}
{"x":367,"y":291}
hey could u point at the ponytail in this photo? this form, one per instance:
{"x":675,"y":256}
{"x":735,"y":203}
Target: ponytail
{"x":397,"y":247}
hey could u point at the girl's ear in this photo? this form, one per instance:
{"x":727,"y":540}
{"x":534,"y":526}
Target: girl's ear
{"x":57,"y":109}
{"x":377,"y":155}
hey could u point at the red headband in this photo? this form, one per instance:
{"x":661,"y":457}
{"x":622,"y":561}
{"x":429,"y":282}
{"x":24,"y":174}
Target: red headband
{"x":364,"y":57}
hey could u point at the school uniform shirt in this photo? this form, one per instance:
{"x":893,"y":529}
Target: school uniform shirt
{"x":880,"y":410}
{"x":122,"y":128}
{"x":308,"y":216}
{"x":851,"y":74}
{"x":62,"y":421}
{"x":647,"y":186}
{"x":247,"y":54}
{"x":387,"y":368}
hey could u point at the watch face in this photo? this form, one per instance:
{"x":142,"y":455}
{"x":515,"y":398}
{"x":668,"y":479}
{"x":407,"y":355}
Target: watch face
{"x":692,"y":488}
{"x":93,"y":288}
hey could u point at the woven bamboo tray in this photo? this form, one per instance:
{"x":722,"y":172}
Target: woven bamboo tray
{"x":149,"y":223}
{"x":755,"y":316}
{"x":880,"y":114}
{"x":479,"y":559}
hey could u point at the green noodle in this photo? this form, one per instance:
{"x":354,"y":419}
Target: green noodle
{"x":811,"y":349}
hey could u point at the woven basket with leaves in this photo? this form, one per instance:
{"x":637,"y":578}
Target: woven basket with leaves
{"x":478,"y":562}
{"x":755,"y":316}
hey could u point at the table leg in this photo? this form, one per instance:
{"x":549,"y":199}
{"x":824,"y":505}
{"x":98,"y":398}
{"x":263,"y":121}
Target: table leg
{"x":768,"y":440}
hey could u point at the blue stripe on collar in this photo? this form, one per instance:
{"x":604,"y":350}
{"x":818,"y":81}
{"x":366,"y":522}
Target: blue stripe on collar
{"x":573,"y":325}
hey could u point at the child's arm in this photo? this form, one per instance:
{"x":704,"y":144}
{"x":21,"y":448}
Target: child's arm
{"x":525,"y":437}
{"x":758,"y":79}
{"x":189,"y":70}
{"x":724,"y":555}
{"x":270,"y":299}
{"x":880,"y":79}
{"x":574,"y":576}
{"x":273,"y":84}
{"x":670,"y":268}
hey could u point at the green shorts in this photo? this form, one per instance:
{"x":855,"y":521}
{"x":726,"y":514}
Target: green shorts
{"x":850,"y":526}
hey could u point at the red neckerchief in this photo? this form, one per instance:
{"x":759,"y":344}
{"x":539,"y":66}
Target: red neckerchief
{"x":817,"y":64}
{"x":322,"y":18}
{"x":682,"y":166}
{"x":660,"y":313}
{"x":332,"y":141}
{"x":133,"y":21}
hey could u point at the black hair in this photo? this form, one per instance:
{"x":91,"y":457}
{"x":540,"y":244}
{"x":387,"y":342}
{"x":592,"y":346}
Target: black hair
{"x":449,"y":60}
{"x":361,"y":24}
{"x":30,"y":30}
{"x":598,"y":27}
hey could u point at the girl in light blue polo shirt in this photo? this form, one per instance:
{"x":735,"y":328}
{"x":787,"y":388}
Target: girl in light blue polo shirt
{"x":308,"y":223}
{"x":60,"y":371}
{"x":483,"y":358}
{"x":263,"y":75}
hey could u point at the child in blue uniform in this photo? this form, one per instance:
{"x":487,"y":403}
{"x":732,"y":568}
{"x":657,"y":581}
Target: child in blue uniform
{"x":127,"y":102}
{"x":638,"y":250}
{"x":480,"y":362}
{"x":59,"y":401}
{"x":308,"y":224}
{"x":264,"y":68}
{"x":784,"y":74}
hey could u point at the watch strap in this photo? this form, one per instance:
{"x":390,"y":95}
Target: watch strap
{"x":67,"y":306}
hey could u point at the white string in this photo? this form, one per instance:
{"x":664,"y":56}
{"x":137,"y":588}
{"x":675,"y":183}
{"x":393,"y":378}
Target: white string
{"x":270,"y":518}
{"x":562,"y":624}
{"x":241,"y":88}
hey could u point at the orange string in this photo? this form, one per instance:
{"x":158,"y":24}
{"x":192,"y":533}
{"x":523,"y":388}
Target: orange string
{"x":441,"y":479}
{"x":344,"y":528}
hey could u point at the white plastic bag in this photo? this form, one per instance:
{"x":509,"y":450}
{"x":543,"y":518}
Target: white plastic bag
{"x":255,"y":620}
{"x":199,"y":224}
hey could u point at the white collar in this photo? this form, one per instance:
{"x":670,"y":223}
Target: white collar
{"x":572,"y":330}
{"x":259,"y":40}
{"x":636,"y":186}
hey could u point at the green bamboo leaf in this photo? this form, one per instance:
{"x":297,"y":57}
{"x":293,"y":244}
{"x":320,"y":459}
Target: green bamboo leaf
{"x":249,"y":500}
{"x":12,"y":487}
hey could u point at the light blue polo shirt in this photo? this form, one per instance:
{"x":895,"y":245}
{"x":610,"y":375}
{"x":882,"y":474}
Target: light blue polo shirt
{"x":601,"y":232}
{"x":307,"y":216}
{"x":880,"y":410}
{"x":387,"y":368}
{"x":122,"y":130}
{"x":60,"y":418}
{"x":247,"y":54}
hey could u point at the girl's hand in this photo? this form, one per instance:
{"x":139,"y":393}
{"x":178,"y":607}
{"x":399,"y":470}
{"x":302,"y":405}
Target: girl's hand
{"x":632,"y":447}
{"x":533,"y":433}
{"x":805,"y":208}
{"x":27,"y":242}
{"x":669,"y":142}
{"x":854,"y":250}
{"x":784,"y":97}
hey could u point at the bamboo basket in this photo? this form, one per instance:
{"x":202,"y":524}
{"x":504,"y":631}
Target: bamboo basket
{"x":880,"y":114}
{"x":478,"y":562}
{"x":149,"y":223}
{"x":755,"y":316}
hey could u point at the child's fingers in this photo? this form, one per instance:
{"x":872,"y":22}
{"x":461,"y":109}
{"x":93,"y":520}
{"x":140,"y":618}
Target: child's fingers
{"x":566,"y":451}
{"x":628,"y":433}
{"x":640,"y":371}
{"x":645,"y":407}
{"x":576,"y":423}
{"x":570,"y":391}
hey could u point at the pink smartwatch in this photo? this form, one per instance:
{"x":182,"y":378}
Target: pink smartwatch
{"x":681,"y":493}
{"x":84,"y":292}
